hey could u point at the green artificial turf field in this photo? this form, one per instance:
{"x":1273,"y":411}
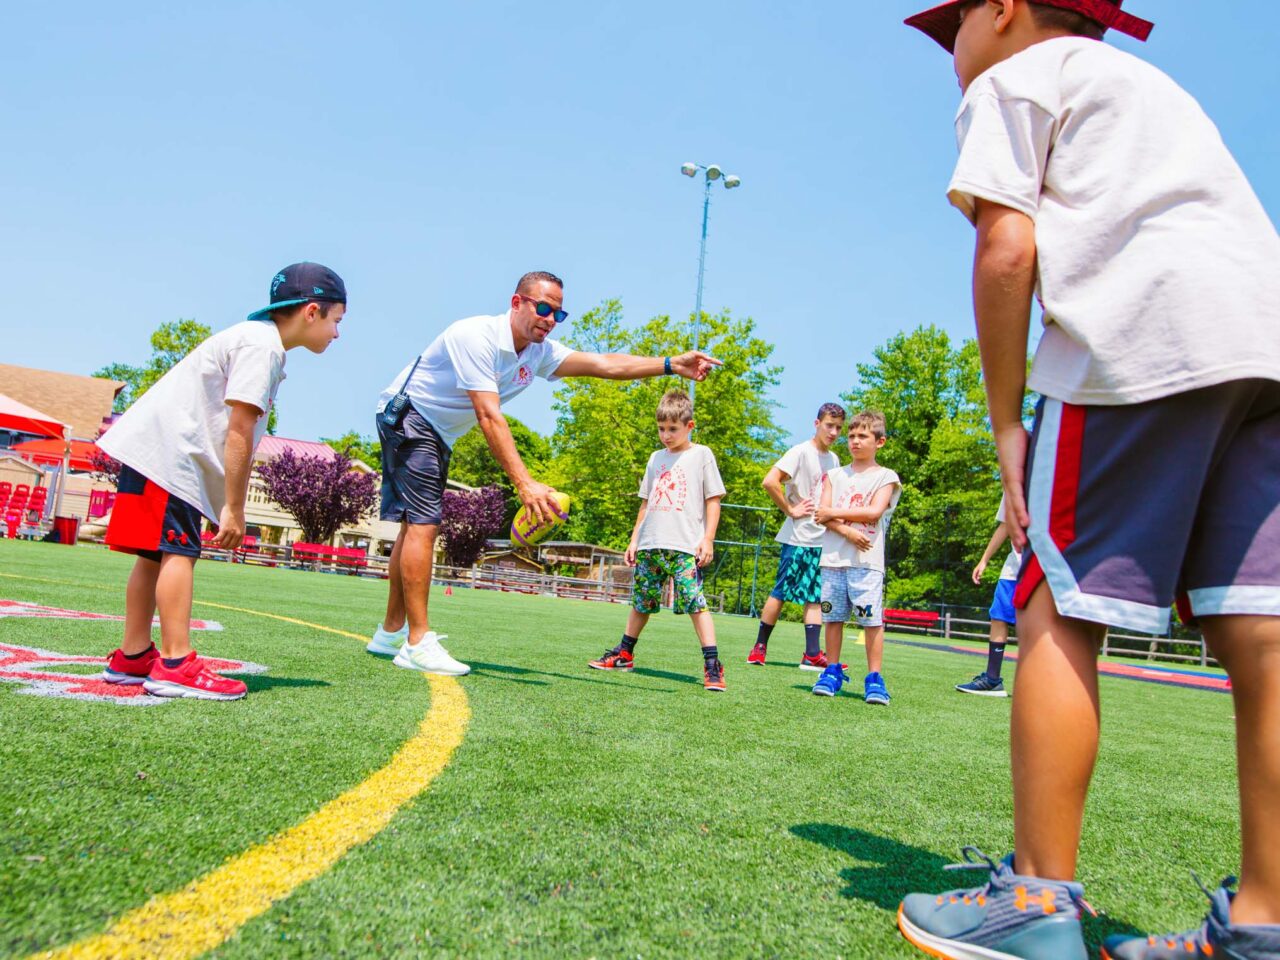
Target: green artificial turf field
{"x":585,"y":814}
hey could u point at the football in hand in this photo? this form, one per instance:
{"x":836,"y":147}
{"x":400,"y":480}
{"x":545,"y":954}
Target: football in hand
{"x":528,"y":531}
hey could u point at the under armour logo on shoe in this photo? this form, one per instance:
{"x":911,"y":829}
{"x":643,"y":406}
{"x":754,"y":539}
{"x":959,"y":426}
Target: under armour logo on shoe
{"x":1045,"y":898}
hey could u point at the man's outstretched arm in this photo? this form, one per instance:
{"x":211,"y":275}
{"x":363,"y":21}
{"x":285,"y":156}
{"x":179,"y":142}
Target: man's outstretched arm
{"x":693,"y":365}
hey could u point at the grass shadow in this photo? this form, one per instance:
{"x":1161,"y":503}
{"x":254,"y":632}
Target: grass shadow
{"x":264,"y":681}
{"x":667,"y":675}
{"x":514,"y":674}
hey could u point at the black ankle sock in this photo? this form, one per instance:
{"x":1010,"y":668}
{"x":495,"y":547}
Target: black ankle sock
{"x":762,"y":637}
{"x":711,"y":653}
{"x":139,"y":656}
{"x":812,"y":639}
{"x":629,"y":643}
{"x":173,"y":662}
{"x":995,"y":657}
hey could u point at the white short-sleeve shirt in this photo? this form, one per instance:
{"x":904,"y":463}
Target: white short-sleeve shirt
{"x":1158,"y":266}
{"x":676,"y":487}
{"x":851,"y":489}
{"x":175,"y":434}
{"x":1013,"y":562}
{"x":805,"y":464}
{"x":477,"y":353}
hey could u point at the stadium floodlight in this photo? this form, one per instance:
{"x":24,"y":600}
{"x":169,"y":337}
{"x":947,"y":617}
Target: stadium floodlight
{"x":713,"y":173}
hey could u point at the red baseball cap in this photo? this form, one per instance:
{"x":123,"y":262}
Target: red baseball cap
{"x":943,"y":22}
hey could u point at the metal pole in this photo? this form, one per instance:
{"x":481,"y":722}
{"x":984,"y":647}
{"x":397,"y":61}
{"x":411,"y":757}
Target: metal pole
{"x":702,"y":264}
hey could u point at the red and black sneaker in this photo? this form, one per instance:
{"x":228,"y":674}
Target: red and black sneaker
{"x":713,"y":675}
{"x":129,"y":671}
{"x":817,"y":662}
{"x":615,"y":659}
{"x":192,"y":678}
{"x":757,"y":654}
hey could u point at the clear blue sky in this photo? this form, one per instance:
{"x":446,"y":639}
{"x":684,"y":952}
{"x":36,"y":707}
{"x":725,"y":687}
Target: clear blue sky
{"x":163,"y":160}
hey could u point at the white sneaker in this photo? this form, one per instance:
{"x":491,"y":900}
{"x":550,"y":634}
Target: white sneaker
{"x":429,"y":656}
{"x":386,"y":644}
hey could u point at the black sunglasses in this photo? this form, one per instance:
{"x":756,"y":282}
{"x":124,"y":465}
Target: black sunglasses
{"x":544,"y":309}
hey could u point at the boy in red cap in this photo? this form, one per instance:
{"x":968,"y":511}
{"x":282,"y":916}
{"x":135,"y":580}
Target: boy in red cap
{"x":1099,"y":185}
{"x":186,"y":451}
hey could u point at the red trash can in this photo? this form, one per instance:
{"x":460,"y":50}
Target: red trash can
{"x":67,"y":529}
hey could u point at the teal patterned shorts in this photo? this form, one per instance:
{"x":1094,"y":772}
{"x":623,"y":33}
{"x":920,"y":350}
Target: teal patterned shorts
{"x":654,"y":568}
{"x":799,"y":575}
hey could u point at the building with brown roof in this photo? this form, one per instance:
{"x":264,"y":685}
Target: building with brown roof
{"x":81,"y":402}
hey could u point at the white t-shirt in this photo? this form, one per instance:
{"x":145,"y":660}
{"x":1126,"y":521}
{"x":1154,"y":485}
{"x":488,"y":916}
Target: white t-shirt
{"x":805,"y":465}
{"x":850,"y":490}
{"x":478,"y":353}
{"x":1013,"y":562}
{"x":1159,"y":270}
{"x":175,"y":434}
{"x":677,"y":486}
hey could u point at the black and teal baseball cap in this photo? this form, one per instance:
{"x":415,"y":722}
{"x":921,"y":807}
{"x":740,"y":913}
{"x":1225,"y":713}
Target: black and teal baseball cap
{"x":301,"y":283}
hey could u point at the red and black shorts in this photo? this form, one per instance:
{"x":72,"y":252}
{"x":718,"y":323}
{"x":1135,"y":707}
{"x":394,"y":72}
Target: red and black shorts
{"x":149,"y":521}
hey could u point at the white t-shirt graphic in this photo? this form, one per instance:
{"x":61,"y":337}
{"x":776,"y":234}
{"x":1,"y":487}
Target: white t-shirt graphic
{"x":850,"y":490}
{"x":477,"y":353}
{"x":1158,"y":268}
{"x":1013,"y":562}
{"x":805,"y":465}
{"x":677,"y":486}
{"x":175,"y":434}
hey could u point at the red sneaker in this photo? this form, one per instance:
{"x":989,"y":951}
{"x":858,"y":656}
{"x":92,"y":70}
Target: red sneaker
{"x":129,"y":672}
{"x":757,"y":654}
{"x":817,"y":662}
{"x":615,"y":659}
{"x":713,"y":675}
{"x":192,"y":678}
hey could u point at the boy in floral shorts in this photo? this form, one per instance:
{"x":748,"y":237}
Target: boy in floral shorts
{"x":674,"y":537}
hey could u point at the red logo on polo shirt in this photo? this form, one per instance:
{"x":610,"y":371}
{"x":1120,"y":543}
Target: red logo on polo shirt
{"x":524,"y":376}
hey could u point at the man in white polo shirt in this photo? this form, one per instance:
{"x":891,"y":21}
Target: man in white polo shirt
{"x":460,"y":380}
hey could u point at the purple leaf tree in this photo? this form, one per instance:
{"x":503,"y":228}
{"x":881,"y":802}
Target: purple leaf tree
{"x":321,"y":495}
{"x":470,"y":518}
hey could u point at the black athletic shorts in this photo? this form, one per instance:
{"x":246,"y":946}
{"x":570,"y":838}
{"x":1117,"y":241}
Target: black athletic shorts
{"x":415,"y":465}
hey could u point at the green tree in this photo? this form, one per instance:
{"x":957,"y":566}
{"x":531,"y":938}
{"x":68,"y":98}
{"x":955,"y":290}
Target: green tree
{"x":170,"y":342}
{"x":366,"y":449}
{"x":605,"y":429}
{"x":940,"y":444}
{"x":472,"y":463}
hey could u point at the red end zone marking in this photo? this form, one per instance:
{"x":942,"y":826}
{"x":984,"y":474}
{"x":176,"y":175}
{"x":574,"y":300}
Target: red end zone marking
{"x":19,"y":608}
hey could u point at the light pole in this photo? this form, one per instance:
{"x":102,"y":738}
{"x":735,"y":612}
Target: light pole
{"x":711,"y":173}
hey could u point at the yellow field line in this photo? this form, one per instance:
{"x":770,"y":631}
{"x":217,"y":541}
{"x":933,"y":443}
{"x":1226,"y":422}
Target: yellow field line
{"x":212,"y":908}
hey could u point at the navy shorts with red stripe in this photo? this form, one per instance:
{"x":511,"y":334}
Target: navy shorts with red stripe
{"x":148,"y":521}
{"x":1135,"y":506}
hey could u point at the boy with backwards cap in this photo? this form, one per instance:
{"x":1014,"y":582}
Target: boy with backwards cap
{"x":1098,"y":184}
{"x":186,"y":451}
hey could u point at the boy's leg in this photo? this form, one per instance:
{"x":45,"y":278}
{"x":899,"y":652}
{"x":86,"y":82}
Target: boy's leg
{"x":1057,"y":690}
{"x":874,"y":637}
{"x":140,"y":606}
{"x":1249,"y":649}
{"x":704,"y":626}
{"x":393,"y":620}
{"x":174,"y":587}
{"x":996,"y":641}
{"x":635,"y":623}
{"x":769,"y":614}
{"x":835,"y":641}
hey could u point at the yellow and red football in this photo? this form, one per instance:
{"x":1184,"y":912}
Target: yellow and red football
{"x":527,"y":531}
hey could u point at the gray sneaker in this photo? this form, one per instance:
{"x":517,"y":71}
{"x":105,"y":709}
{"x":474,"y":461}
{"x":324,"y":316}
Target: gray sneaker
{"x":1216,"y":938}
{"x":1009,"y":918}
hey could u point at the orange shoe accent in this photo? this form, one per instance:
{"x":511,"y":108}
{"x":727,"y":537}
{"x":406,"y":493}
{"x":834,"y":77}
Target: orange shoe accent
{"x":1021,"y":900}
{"x":931,"y":951}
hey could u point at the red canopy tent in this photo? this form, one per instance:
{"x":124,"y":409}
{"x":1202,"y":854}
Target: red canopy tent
{"x":17,"y":416}
{"x":51,"y":451}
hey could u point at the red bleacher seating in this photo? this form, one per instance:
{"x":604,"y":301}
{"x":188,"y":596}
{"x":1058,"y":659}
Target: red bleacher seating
{"x":919,"y":619}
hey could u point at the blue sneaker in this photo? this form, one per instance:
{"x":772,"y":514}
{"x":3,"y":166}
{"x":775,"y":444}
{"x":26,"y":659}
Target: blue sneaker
{"x":832,"y":679}
{"x":984,"y":685}
{"x":1216,"y":938}
{"x":1010,"y":918}
{"x":874,"y":690}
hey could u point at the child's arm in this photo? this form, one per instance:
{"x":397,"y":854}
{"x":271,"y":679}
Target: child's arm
{"x":1001,"y":534}
{"x":772,"y":483}
{"x":707,"y":549}
{"x":853,"y":535}
{"x":1004,"y":275}
{"x":238,"y":456}
{"x":630,"y":555}
{"x":871,"y":513}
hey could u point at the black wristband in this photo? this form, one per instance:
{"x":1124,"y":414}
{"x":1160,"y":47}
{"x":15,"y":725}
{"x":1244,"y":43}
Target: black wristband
{"x":666,"y":365}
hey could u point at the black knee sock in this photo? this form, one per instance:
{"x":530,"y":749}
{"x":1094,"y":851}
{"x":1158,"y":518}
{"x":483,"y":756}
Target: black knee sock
{"x":995,"y":657}
{"x":812,"y":639}
{"x":762,"y":637}
{"x":629,"y":643}
{"x":711,"y":653}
